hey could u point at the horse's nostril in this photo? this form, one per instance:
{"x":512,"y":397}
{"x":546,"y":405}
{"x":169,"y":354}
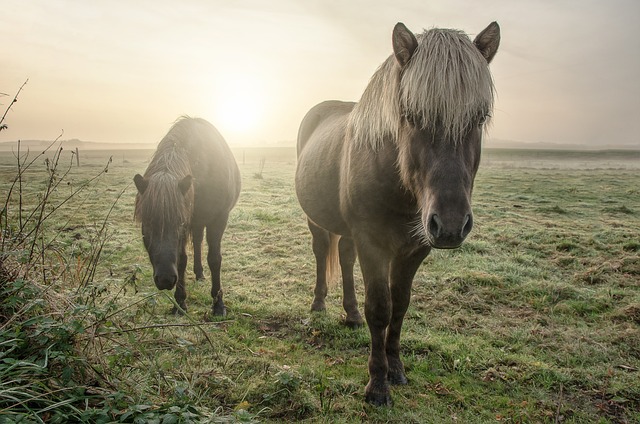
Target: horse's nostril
{"x":435,"y":226}
{"x":165,"y":282}
{"x":468,"y":225}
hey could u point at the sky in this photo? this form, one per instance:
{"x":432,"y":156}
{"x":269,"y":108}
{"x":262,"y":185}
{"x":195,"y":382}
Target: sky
{"x":121,"y":71}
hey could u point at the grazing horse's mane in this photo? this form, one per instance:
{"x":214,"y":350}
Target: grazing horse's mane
{"x":163,"y":204}
{"x":445,"y":85}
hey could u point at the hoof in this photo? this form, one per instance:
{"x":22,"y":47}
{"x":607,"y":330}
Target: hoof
{"x":209,"y":316}
{"x":199,"y":277}
{"x":219,"y":310}
{"x":397,"y":378}
{"x":396,"y":375}
{"x":318,"y":306}
{"x":354,"y":321}
{"x":182,"y":310}
{"x":354,"y":325}
{"x":378,"y":394}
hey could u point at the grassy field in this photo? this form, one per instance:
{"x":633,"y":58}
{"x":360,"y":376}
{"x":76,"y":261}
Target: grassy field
{"x":535,"y":319}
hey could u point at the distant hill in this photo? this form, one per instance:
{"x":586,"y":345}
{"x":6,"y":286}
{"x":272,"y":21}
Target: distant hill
{"x":8,"y":146}
{"x":511,"y":144}
{"x":491,"y":143}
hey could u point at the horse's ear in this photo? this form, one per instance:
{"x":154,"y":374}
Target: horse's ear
{"x":404,"y":43}
{"x":185,"y":184}
{"x":488,"y":41}
{"x":141,"y":183}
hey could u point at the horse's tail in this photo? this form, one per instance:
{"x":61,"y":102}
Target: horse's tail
{"x":333,"y":260}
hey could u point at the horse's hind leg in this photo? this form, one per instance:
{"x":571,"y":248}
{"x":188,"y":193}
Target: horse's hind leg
{"x":349,"y":302}
{"x":321,"y":243}
{"x":214,"y":259}
{"x":197,"y":234}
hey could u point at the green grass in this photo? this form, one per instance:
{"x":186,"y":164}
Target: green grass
{"x":535,"y":319}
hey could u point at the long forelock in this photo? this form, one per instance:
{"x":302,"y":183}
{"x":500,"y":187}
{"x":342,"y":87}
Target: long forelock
{"x":445,"y":87}
{"x":447,"y":83}
{"x":162,"y":208}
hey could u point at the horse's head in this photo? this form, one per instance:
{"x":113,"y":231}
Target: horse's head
{"x":446,"y":96}
{"x":163,"y":207}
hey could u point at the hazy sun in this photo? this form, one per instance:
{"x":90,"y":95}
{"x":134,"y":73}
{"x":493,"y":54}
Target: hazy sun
{"x":239,"y":105}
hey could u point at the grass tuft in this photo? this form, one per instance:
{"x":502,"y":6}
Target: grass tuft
{"x":623,"y":209}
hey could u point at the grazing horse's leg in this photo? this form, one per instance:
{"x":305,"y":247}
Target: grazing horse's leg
{"x":214,"y":259}
{"x":374,"y":263}
{"x":197,"y":234}
{"x":321,"y":241}
{"x":181,"y":291}
{"x":349,"y":302}
{"x":403,"y":269}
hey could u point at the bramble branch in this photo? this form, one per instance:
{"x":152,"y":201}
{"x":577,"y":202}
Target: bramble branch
{"x":3,"y":126}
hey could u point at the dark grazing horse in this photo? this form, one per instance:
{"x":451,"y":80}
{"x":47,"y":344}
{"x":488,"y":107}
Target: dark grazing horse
{"x":390,"y":177}
{"x":191,"y":183}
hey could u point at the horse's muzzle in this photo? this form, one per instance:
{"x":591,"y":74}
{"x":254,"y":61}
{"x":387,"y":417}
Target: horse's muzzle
{"x":165,"y":281}
{"x":448,"y":234}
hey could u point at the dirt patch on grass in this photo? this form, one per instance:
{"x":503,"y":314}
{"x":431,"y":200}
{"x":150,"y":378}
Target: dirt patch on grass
{"x":606,"y":272}
{"x":628,"y":313}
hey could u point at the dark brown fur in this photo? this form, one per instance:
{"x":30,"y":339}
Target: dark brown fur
{"x":394,"y":181}
{"x":191,"y":183}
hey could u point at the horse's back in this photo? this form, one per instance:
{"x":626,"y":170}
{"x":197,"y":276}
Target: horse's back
{"x":200,"y":139}
{"x":321,"y":149}
{"x":327,"y":115}
{"x":212,"y":164}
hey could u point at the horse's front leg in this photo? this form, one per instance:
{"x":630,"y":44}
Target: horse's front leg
{"x":181,"y":291}
{"x":197,"y":235}
{"x":403,"y":269}
{"x":377,"y":310}
{"x":214,"y":260}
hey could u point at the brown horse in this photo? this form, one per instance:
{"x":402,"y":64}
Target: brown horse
{"x":191,"y":183}
{"x":392,"y":175}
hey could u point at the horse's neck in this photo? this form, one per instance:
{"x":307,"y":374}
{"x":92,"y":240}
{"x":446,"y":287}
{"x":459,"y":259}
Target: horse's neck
{"x":379,"y":166}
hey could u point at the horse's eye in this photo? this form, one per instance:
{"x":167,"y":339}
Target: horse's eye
{"x":483,"y":120}
{"x":412,"y":119}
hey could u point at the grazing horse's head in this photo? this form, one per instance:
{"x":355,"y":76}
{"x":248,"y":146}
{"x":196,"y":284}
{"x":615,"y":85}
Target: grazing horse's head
{"x":163,"y":207}
{"x":445,"y":98}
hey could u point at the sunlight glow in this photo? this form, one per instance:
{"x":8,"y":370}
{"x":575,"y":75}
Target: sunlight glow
{"x":239,"y":106}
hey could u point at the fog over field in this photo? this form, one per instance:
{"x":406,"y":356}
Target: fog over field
{"x":566,"y":71}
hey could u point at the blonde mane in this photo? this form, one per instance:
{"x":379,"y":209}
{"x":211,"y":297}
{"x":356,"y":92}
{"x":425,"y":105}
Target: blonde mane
{"x":446,"y":86}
